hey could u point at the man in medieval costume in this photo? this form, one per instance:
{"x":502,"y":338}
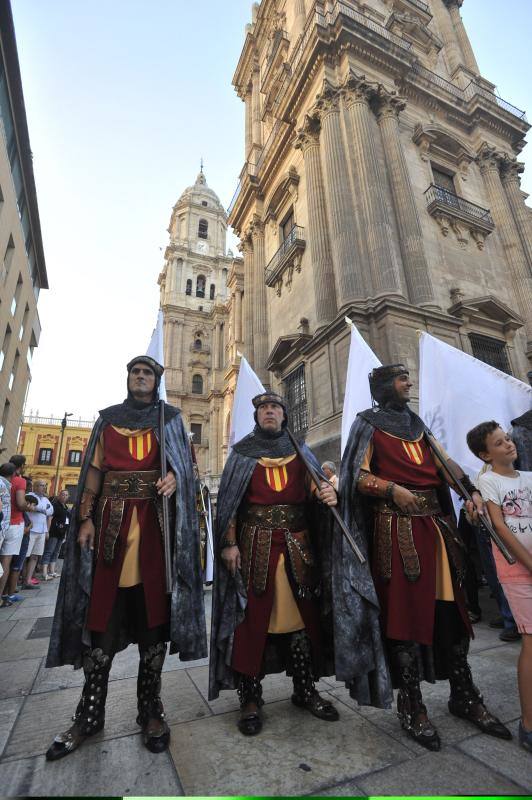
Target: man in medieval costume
{"x":521,"y":433}
{"x":113,"y":589}
{"x":266,"y":611}
{"x":395,"y":494}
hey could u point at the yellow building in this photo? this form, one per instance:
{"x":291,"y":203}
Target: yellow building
{"x":54,"y":453}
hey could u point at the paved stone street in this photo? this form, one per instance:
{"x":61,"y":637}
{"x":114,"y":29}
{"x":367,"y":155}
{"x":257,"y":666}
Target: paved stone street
{"x":365,"y":753}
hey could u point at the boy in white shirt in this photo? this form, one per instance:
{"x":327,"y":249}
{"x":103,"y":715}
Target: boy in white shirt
{"x":508,"y":494}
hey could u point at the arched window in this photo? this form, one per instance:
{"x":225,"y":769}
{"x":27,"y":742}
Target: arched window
{"x":203,"y":229}
{"x":213,"y":289}
{"x":200,"y":286}
{"x":197,"y":384}
{"x":189,"y":286}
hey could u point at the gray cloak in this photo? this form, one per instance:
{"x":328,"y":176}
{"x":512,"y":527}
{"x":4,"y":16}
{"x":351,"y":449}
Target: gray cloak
{"x":229,"y":593}
{"x":69,"y":637}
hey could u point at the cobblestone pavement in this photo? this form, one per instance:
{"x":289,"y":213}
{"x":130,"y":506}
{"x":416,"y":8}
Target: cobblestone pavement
{"x":365,"y":753}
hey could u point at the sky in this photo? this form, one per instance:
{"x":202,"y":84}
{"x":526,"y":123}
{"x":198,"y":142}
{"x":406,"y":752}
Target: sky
{"x":123,"y":99}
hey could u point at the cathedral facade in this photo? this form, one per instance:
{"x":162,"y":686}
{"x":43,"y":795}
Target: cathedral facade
{"x":381,"y":181}
{"x":201,"y":287}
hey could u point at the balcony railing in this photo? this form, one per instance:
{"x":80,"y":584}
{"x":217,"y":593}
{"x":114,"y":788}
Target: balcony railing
{"x":437,"y":195}
{"x":293,"y":244}
{"x":420,"y":4}
{"x":474,"y":89}
{"x":362,"y":19}
{"x":32,"y":419}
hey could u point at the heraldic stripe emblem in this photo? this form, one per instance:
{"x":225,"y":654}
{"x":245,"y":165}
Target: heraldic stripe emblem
{"x":413,"y":451}
{"x":140,"y":446}
{"x":276,"y":478}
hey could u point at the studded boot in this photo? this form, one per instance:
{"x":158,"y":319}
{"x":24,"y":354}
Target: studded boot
{"x":466,"y":701}
{"x":305,"y":693}
{"x":151,"y":717}
{"x":89,"y":717}
{"x":411,"y":711}
{"x":250,"y":697}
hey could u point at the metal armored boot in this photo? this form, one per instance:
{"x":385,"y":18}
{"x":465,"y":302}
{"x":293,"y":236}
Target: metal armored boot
{"x":250,"y":696}
{"x":305,"y":692}
{"x":466,"y":701}
{"x":411,"y":711}
{"x":155,"y":730}
{"x":89,"y":717}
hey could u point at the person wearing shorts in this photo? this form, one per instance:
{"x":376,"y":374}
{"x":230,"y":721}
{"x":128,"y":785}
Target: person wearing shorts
{"x":508,"y":494}
{"x":41,"y":519}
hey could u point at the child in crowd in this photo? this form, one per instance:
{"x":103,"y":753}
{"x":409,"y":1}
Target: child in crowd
{"x":508,"y":494}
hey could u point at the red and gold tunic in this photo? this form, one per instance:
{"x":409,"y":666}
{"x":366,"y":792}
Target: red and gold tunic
{"x":279,"y":481}
{"x":139,"y":555}
{"x":408,"y":607}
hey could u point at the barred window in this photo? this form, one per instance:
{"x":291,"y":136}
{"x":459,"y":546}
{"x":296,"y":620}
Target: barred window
{"x":197,"y":384}
{"x":195,"y":429}
{"x":490,"y":351}
{"x":74,"y":458}
{"x":295,"y":392}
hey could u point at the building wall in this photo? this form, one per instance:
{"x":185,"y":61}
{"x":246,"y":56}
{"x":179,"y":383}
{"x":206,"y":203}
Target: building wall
{"x":22,"y":266}
{"x":39,"y":434}
{"x":350,"y":109}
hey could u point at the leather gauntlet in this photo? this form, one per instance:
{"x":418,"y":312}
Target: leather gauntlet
{"x":86,"y":506}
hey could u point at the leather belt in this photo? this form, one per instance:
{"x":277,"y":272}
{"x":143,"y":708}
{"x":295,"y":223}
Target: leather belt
{"x":427,"y":500}
{"x":278,"y":516}
{"x":131,"y":485}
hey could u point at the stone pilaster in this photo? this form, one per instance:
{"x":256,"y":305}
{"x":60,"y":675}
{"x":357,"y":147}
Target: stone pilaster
{"x":238,"y":316}
{"x":449,"y":37}
{"x":247,"y":308}
{"x":510,"y":171}
{"x":255,"y":108}
{"x":216,"y":346}
{"x":461,"y":34}
{"x":387,"y":108}
{"x":260,"y":305}
{"x":249,"y":133}
{"x":168,"y":330}
{"x":385,"y":271}
{"x":308,"y":141}
{"x":489,"y":160}
{"x":347,"y":262}
{"x":299,"y":23}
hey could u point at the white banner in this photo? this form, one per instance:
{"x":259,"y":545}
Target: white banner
{"x":457,"y":392}
{"x":156,"y":350}
{"x":247,"y":386}
{"x":362,"y":360}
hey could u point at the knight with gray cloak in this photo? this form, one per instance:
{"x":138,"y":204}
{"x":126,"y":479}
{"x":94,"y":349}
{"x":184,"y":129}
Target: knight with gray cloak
{"x":351,"y":644}
{"x":114,"y":593}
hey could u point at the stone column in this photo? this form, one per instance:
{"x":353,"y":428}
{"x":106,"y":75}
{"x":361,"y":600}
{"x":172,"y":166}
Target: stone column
{"x":299,"y":24}
{"x":347,"y":263}
{"x":238,"y":316}
{"x":489,"y":161}
{"x":510,"y":171}
{"x":385,"y":271}
{"x":247,"y":309}
{"x":255,"y":111}
{"x":448,"y":34}
{"x":260,"y":315}
{"x":388,"y":107}
{"x":461,"y":34}
{"x":308,"y":142}
{"x":168,"y":329}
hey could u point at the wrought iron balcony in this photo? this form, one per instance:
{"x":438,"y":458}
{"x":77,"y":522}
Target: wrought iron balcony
{"x":287,"y":257}
{"x":464,"y":218}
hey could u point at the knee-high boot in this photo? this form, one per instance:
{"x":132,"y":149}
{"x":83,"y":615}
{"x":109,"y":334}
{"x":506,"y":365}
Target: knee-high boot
{"x":411,"y":711}
{"x":89,"y":717}
{"x":305,"y":692}
{"x":250,"y":693}
{"x":155,"y":730}
{"x":465,"y":700}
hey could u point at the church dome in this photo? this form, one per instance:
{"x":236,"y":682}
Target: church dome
{"x":200,"y":194}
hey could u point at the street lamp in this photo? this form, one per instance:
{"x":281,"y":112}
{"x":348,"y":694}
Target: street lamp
{"x":63,"y":426}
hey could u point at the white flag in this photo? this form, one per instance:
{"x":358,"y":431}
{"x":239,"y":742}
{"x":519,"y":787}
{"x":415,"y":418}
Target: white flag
{"x":156,"y":350}
{"x":457,"y":392}
{"x":247,"y":386}
{"x":362,"y":360}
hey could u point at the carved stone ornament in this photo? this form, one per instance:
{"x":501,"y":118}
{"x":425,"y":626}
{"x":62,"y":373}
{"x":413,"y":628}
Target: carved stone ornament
{"x":327,"y":101}
{"x":356,"y":89}
{"x":460,"y":232}
{"x":387,"y":103}
{"x":309,"y":134}
{"x":444,"y":223}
